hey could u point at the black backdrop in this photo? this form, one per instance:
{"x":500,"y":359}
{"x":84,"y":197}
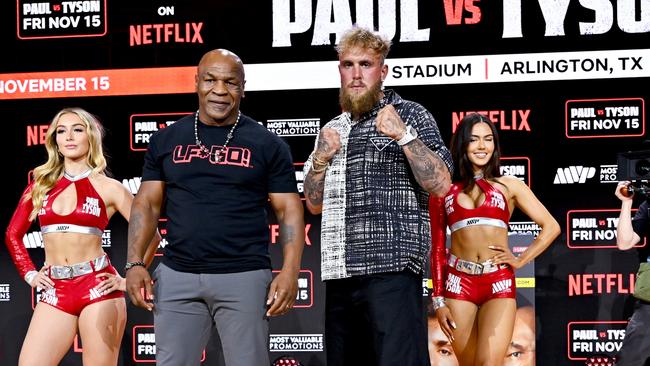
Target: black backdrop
{"x":538,"y":71}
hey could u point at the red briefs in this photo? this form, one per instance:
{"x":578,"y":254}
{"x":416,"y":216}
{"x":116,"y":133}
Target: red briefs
{"x":74,"y":294}
{"x":480,"y":288}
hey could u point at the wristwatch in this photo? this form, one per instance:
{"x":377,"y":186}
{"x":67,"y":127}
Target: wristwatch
{"x":130,"y":265}
{"x":410,"y":135}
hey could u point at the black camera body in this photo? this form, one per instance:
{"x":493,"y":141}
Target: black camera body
{"x":634,"y":166}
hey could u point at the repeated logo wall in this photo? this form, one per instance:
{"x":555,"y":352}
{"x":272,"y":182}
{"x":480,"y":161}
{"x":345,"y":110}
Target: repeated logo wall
{"x":565,"y":82}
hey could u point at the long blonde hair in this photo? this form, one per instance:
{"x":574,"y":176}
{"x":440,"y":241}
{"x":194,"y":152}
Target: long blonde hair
{"x":46,"y":175}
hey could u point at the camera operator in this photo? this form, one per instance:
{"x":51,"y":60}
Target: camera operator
{"x":636,"y":345}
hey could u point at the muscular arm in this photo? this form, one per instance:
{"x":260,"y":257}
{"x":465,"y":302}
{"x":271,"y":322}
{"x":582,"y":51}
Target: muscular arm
{"x":327,"y":145}
{"x":145,"y":212}
{"x":123,"y":200}
{"x":143,"y":222}
{"x":429,"y":170}
{"x":289,"y":212}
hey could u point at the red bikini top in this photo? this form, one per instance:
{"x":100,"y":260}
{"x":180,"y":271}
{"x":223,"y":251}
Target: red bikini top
{"x":89,"y":217}
{"x":492,"y":212}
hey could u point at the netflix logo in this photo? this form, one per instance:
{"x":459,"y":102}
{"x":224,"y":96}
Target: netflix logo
{"x":169,"y":33}
{"x":36,"y":134}
{"x":504,"y":120}
{"x":601,"y":283}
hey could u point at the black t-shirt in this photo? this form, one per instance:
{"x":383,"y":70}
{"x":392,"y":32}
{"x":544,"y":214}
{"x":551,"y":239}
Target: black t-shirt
{"x":640,"y":224}
{"x":217,"y":220}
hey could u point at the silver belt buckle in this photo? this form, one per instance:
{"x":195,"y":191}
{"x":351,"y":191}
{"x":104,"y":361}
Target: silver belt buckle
{"x":461,"y":265}
{"x":62,"y":272}
{"x":470,"y":267}
{"x":65,"y":272}
{"x":488,"y":268}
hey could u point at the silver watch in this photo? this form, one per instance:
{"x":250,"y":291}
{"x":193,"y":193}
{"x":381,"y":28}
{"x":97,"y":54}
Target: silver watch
{"x":410,"y":135}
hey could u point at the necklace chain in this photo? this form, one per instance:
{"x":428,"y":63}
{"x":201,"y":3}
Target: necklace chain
{"x":77,"y":177}
{"x":204,"y":150}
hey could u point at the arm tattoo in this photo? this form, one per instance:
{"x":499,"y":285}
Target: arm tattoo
{"x":323,"y":145}
{"x":135,"y":229}
{"x":426,"y":165}
{"x":287,"y":234}
{"x":314,"y":187}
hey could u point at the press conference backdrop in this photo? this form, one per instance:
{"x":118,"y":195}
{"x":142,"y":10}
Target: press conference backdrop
{"x":564,"y":81}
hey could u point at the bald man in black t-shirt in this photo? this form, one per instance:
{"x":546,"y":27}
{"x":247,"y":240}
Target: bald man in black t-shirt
{"x":214,"y":173}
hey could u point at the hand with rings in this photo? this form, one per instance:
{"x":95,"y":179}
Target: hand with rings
{"x":112,"y":282}
{"x":41,"y":279}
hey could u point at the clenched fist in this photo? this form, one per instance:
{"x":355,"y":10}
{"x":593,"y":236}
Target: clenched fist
{"x":329,"y":143}
{"x":389,"y":123}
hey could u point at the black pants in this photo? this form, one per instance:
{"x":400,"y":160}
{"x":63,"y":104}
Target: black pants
{"x":636,"y":345}
{"x":376,"y":320}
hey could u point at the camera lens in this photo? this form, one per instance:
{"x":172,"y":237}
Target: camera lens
{"x":642,"y":167}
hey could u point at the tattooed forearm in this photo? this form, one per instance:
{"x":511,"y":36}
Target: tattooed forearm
{"x":135,"y":248}
{"x":313,"y":185}
{"x":287,"y":234}
{"x":429,"y":170}
{"x":323,"y":145}
{"x":289,"y":211}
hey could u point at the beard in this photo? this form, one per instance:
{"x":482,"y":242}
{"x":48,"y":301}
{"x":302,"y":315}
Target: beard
{"x":357,"y":104}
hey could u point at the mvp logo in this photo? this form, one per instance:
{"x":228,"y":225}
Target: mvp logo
{"x":574,"y":174}
{"x":501,"y":286}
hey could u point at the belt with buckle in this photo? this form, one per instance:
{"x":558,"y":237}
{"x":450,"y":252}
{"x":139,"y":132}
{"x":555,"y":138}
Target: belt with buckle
{"x":473,"y":267}
{"x":79,"y":269}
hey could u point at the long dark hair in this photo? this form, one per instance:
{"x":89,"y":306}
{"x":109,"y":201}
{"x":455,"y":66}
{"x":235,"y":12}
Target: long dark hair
{"x":463,"y":171}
